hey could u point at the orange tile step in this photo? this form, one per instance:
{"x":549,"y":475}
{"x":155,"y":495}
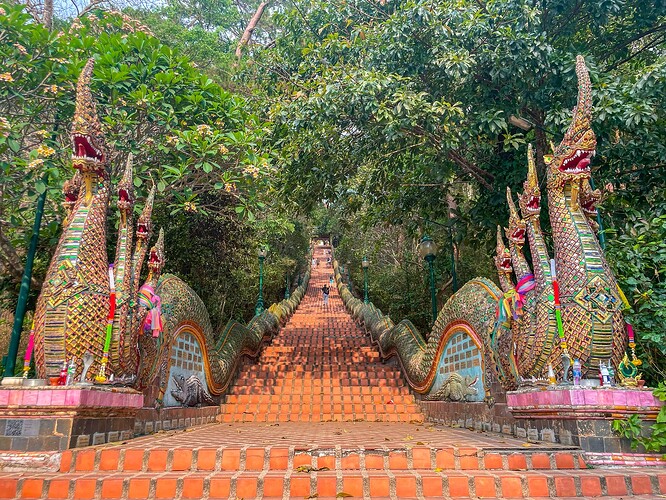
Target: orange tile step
{"x":290,"y":458}
{"x":408,"y":484}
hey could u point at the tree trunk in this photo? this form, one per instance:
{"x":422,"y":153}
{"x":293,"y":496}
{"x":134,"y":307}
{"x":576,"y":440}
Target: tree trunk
{"x":247,"y":34}
{"x":47,"y":16}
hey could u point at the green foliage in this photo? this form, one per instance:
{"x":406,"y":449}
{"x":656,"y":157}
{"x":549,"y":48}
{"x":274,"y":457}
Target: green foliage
{"x":198,"y":142}
{"x":633,"y":429}
{"x":384,"y":110}
{"x":637,"y":249}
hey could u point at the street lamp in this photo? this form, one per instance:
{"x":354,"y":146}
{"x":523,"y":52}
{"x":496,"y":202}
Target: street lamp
{"x":365,"y":265}
{"x":259,"y":308}
{"x":427,"y":251}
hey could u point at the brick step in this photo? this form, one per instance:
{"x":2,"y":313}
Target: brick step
{"x":319,"y":398}
{"x":323,"y":366}
{"x":306,"y":415}
{"x":318,"y":407}
{"x":354,"y":382}
{"x":413,"y":484}
{"x":309,"y":389}
{"x":290,"y":458}
{"x":341,"y":375}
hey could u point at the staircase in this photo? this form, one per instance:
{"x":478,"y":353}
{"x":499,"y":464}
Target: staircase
{"x":319,"y":416}
{"x":321,"y":367}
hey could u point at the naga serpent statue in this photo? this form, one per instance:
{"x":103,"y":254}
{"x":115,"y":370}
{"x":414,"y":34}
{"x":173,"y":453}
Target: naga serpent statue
{"x":511,"y":335}
{"x":157,"y":333}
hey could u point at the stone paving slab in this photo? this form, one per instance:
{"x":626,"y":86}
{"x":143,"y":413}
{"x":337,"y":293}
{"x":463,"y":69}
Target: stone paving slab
{"x":331,"y":434}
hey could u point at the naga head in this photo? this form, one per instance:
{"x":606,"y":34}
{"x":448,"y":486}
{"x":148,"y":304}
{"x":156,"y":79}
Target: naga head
{"x":71,"y":190}
{"x":144,"y":227}
{"x":89,"y":156}
{"x":571,"y":158}
{"x":588,"y":202}
{"x":530,"y":199}
{"x":126,"y":192}
{"x":502,"y":255}
{"x":156,"y":257}
{"x":516,"y":229}
{"x":87,"y":138}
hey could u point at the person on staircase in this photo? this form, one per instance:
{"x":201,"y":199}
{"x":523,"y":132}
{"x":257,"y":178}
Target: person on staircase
{"x":325,"y":291}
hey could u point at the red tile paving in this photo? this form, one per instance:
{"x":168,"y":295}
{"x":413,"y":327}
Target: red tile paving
{"x":320,"y":367}
{"x":319,"y":414}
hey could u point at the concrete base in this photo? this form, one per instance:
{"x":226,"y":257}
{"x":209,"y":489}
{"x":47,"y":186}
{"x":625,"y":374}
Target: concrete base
{"x":58,"y":418}
{"x":580,"y":417}
{"x":586,"y":415}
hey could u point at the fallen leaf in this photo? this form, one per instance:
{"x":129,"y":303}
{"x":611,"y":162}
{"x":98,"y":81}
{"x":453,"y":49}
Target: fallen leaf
{"x":420,"y":443}
{"x":438,"y":469}
{"x":342,"y":494}
{"x":316,"y":495}
{"x":526,"y":445}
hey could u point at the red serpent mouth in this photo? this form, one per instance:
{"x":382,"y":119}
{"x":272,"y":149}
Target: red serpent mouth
{"x":84,"y":150}
{"x":518,"y":234}
{"x":505,"y":264}
{"x":578,"y":162}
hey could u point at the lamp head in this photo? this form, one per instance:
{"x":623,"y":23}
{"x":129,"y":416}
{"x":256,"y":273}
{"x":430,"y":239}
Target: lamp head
{"x":427,"y":248}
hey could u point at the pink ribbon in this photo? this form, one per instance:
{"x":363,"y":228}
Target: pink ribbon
{"x":151,"y":301}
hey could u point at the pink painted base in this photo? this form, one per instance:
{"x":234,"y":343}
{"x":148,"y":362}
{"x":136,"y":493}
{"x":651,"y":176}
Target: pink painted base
{"x":634,"y":400}
{"x":625,"y":459}
{"x":69,"y":397}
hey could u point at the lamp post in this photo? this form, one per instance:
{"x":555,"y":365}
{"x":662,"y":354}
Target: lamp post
{"x":287,"y":293}
{"x":365,"y":265}
{"x":427,"y":251}
{"x":259,"y":308}
{"x":22,"y":303}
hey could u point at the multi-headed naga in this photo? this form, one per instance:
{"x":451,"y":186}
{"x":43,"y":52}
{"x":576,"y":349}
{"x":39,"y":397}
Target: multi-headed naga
{"x":548,"y":312}
{"x":154,"y":334}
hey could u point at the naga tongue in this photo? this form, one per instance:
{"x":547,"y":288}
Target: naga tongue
{"x":81,"y":150}
{"x":583,"y":163}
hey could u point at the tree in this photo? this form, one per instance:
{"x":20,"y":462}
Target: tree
{"x":387,"y":109}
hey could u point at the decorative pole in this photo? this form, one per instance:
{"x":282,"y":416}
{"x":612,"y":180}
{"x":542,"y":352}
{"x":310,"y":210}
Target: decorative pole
{"x":427,"y":250}
{"x":22,"y":303}
{"x":259,"y":308}
{"x":365,"y":264}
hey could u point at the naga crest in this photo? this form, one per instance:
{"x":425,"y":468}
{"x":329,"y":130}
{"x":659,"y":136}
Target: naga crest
{"x":87,"y":138}
{"x":530,"y":199}
{"x":503,"y":256}
{"x":516,"y":229}
{"x":571,"y":158}
{"x":126,"y":192}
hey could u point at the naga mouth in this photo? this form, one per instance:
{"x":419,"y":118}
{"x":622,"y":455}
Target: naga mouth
{"x":534,"y":203}
{"x":154,"y":260}
{"x":505,"y":265}
{"x":142,"y":230}
{"x":578,"y":162}
{"x":589,"y":207}
{"x":518,"y":235}
{"x":84,"y":150}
